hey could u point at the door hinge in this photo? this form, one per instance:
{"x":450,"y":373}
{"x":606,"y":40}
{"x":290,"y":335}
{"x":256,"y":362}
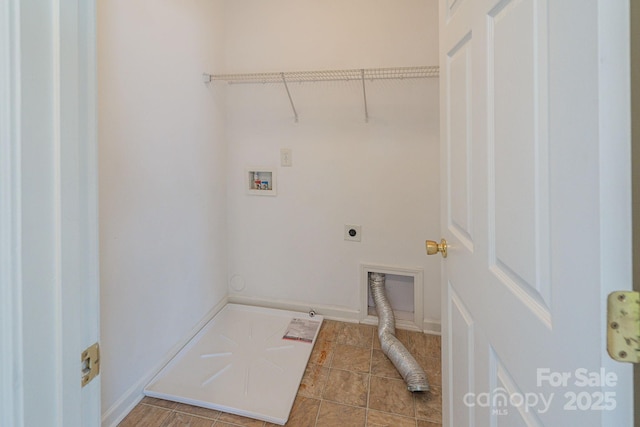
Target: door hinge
{"x":90,"y":359}
{"x":623,"y":326}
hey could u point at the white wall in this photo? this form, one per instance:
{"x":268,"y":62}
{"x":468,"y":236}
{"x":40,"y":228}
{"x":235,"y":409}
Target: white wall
{"x":382,"y":175}
{"x":176,"y":224}
{"x":162,"y":184}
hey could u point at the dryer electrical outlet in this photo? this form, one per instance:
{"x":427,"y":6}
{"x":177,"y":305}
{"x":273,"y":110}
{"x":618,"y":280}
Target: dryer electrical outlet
{"x":352,"y":232}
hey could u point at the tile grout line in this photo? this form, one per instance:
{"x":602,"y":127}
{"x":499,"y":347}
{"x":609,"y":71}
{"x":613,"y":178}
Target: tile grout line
{"x":333,"y":338}
{"x":315,"y":423}
{"x":193,"y":415}
{"x":366,"y":415}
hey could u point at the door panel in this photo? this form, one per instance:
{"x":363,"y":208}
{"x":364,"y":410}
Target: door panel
{"x":452,"y":6}
{"x":518,"y":185}
{"x":460,"y":147}
{"x":526,"y":207}
{"x":463,"y":357}
{"x":510,"y":409}
{"x":54,"y":289}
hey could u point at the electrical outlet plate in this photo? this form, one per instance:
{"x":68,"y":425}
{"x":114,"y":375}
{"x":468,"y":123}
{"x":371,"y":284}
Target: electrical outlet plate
{"x":352,"y":232}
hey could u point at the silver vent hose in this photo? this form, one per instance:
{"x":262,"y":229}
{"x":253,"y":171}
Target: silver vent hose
{"x":405,"y":363}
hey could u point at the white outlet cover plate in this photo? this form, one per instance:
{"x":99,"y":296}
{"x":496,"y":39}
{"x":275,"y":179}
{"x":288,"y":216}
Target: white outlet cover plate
{"x":358,"y":235}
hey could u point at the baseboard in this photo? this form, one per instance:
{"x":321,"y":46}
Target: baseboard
{"x":429,"y":326}
{"x":116,"y":413}
{"x":328,"y":311}
{"x":433,"y":327}
{"x":400,"y":324}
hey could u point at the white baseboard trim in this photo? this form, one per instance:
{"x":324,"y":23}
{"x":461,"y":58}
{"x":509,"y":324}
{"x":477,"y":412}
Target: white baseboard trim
{"x":407,"y":325}
{"x":328,"y":311}
{"x":116,"y":413}
{"x":433,"y":327}
{"x":429,"y":326}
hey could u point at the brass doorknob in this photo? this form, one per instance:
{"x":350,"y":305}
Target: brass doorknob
{"x":435,"y":247}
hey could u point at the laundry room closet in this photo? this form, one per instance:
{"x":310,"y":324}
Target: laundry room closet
{"x":185,"y":229}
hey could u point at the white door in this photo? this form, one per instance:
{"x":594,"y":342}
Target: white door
{"x":536,"y":210}
{"x":48,"y":213}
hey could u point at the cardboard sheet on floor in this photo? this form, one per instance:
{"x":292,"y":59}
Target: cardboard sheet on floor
{"x":247,"y":361}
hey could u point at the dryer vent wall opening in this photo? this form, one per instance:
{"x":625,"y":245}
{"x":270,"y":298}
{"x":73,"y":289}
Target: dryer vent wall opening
{"x":405,"y":363}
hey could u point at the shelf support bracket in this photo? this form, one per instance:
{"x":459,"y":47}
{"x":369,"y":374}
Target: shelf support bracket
{"x":364,"y":94}
{"x":293,"y":107}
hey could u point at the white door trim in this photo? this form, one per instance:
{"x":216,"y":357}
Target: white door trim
{"x":48,"y":212}
{"x":10,"y":279}
{"x":615,"y":177}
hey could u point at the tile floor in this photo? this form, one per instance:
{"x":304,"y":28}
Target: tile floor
{"x":348,"y":382}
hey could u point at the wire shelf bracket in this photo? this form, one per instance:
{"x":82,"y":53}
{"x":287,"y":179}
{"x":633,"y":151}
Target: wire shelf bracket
{"x":364,"y":98}
{"x":363,"y":74}
{"x":293,"y":107}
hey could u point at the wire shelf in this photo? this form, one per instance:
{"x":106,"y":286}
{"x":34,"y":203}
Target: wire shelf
{"x":362,"y":75}
{"x":331,"y":75}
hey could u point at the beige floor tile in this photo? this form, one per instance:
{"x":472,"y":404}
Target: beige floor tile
{"x":223,"y":424}
{"x":420,"y":344}
{"x":322,"y":353}
{"x":313,"y":381}
{"x":390,"y":395}
{"x":177,"y":419}
{"x":347,"y":387}
{"x":303,"y":413}
{"x":429,"y":404}
{"x":433,"y":345}
{"x":404,"y":336}
{"x":161,"y":403}
{"x":197,"y":411}
{"x":376,"y":341}
{"x":337,"y":415}
{"x":414,"y":341}
{"x":238,"y":420}
{"x":423,"y":423}
{"x":381,"y":366}
{"x":145,"y":416}
{"x":433,"y":369}
{"x":351,"y":358}
{"x":382,"y":419}
{"x":329,"y":330}
{"x":356,"y":334}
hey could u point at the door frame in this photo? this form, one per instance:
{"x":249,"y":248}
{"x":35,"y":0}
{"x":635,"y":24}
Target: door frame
{"x":635,"y":169}
{"x":616,"y":242}
{"x":49,"y":305}
{"x":10,"y":308}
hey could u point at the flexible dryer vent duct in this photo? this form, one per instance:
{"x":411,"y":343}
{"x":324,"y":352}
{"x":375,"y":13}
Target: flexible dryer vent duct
{"x":405,"y":363}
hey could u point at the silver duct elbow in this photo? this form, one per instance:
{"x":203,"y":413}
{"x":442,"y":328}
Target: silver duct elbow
{"x":405,"y":363}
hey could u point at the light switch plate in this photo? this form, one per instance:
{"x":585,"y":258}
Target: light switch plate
{"x":286,"y":159}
